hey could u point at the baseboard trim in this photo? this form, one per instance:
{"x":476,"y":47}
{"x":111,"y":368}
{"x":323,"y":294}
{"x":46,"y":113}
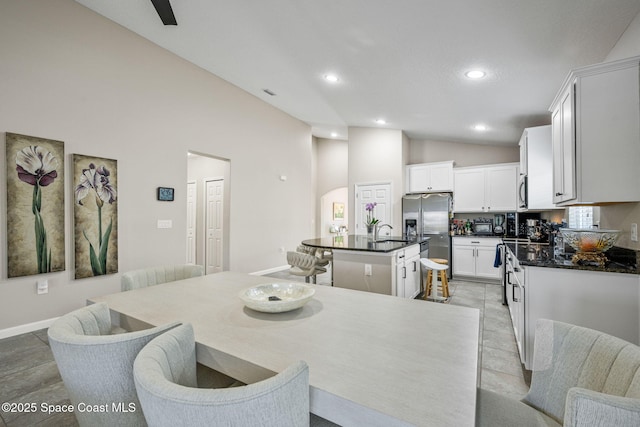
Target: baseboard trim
{"x":270,"y":270}
{"x":28,"y":327}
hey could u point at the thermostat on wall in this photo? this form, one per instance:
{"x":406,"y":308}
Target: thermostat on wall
{"x":165,"y":194}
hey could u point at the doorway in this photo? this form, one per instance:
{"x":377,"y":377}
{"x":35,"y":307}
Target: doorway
{"x":372,"y":193}
{"x":208,"y":217}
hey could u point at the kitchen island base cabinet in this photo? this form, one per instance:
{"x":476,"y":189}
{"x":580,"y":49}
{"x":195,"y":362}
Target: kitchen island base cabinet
{"x":394,"y":273}
{"x":607,"y":302}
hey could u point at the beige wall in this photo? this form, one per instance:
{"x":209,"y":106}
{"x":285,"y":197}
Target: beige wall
{"x":426,"y":151}
{"x":375,"y":156}
{"x":623,"y":215}
{"x":69,"y":74}
{"x":332,"y":165}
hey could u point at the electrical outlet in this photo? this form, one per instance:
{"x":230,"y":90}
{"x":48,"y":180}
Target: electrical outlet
{"x":42,"y":287}
{"x":367,"y":270}
{"x":281,"y":249}
{"x":634,"y":232}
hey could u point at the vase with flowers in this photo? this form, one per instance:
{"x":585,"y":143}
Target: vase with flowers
{"x":371,"y":220}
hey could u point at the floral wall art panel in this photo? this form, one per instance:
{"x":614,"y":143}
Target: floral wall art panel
{"x":35,"y":205}
{"x":95,"y":214}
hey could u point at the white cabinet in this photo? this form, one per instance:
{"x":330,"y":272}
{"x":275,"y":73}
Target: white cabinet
{"x":474,"y":257}
{"x":407,"y":278}
{"x":536,"y":162}
{"x":515,"y":289}
{"x":486,"y":189}
{"x":596,"y":134}
{"x":603,"y":301}
{"x":430,"y":177}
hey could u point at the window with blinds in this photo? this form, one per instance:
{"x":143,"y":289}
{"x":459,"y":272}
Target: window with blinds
{"x":580,"y":217}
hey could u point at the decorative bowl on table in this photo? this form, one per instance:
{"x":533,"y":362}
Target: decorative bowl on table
{"x":590,"y":244}
{"x":277,"y":297}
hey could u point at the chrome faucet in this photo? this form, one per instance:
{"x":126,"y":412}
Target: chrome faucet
{"x":377,"y":230}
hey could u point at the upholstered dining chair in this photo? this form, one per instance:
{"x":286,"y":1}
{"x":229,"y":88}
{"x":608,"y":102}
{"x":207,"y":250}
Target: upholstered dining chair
{"x":581,"y":377}
{"x":165,"y":378}
{"x":97,"y":367}
{"x":156,"y":275}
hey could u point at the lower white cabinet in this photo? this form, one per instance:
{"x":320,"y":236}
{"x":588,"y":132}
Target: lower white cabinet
{"x":408,"y":272}
{"x":474,"y":257}
{"x":607,"y":302}
{"x":515,"y":289}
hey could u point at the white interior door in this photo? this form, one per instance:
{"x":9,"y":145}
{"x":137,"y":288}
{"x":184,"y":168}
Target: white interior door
{"x":191,"y":221}
{"x":214,"y":199}
{"x":373,"y":193}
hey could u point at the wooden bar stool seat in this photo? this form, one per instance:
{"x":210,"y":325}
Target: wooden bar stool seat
{"x":431,"y":265}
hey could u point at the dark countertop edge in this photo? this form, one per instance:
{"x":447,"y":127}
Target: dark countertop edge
{"x":375,"y":247}
{"x":551,"y":263}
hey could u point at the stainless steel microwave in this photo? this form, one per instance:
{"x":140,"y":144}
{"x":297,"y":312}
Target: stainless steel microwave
{"x":523,"y":193}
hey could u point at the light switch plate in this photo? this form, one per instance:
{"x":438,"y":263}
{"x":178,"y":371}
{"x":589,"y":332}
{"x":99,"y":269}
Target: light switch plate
{"x":42,"y":287}
{"x":634,"y":232}
{"x":165,"y":223}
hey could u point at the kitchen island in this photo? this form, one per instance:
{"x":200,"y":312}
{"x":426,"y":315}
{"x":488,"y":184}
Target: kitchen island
{"x":389,"y":265}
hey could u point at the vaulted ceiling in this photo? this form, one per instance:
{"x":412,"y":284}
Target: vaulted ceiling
{"x":403,"y":61}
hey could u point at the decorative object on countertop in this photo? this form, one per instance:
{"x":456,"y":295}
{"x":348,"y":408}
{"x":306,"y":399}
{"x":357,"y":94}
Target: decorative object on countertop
{"x":277,"y":297}
{"x":371,"y":220}
{"x":590,"y":244}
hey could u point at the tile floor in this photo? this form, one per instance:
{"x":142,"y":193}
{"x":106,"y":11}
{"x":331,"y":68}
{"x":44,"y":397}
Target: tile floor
{"x":28,"y":372}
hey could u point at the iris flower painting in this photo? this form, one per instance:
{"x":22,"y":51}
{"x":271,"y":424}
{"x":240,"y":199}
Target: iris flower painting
{"x":95,"y":216}
{"x":35,"y":205}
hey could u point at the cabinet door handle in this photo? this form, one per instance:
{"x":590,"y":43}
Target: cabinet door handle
{"x":474,"y":242}
{"x":513,"y":294}
{"x":508,"y":278}
{"x":415,"y":266}
{"x":516,"y":269}
{"x":404,"y":272}
{"x":558,"y":194}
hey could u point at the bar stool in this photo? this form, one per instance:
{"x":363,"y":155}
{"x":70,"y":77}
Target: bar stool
{"x":440,"y":265}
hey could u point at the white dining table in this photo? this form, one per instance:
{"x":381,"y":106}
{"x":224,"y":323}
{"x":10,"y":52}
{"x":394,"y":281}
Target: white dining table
{"x":373,"y":359}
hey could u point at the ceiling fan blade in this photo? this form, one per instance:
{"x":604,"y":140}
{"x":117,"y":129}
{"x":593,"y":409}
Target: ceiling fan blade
{"x":163,"y":7}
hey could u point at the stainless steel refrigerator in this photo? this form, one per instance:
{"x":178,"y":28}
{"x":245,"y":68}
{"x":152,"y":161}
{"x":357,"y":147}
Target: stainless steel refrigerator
{"x":429,"y":215}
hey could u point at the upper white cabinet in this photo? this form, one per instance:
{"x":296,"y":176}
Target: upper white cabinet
{"x":596,"y":135}
{"x":486,"y":189}
{"x":537,"y":164}
{"x":430,"y":177}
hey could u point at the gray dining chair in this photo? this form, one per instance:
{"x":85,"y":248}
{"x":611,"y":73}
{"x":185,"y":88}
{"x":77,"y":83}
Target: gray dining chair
{"x":97,"y":367}
{"x":165,"y":378}
{"x":156,"y":275}
{"x":581,"y":377}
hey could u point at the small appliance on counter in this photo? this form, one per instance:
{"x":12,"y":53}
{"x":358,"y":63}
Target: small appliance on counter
{"x":511,"y":228}
{"x":498,"y":221}
{"x":483,"y":226}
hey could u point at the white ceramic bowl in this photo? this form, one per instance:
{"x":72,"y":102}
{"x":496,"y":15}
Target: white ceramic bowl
{"x":277,"y":297}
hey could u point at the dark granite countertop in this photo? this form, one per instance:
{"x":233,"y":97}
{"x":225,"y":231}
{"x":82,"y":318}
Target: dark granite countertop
{"x":620,"y":260}
{"x":363,"y":243}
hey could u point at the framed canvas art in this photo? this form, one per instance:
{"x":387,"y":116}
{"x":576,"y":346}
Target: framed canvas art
{"x":35,"y":205}
{"x":95,"y":216}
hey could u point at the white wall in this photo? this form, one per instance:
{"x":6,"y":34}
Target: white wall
{"x":69,"y":74}
{"x":427,"y":151}
{"x":376,"y":156}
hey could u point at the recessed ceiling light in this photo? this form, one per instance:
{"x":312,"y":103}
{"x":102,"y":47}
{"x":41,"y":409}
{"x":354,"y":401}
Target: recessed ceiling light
{"x":334,"y":134}
{"x":480,"y":127}
{"x":331,"y":78}
{"x":475,"y":74}
{"x":381,"y":121}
